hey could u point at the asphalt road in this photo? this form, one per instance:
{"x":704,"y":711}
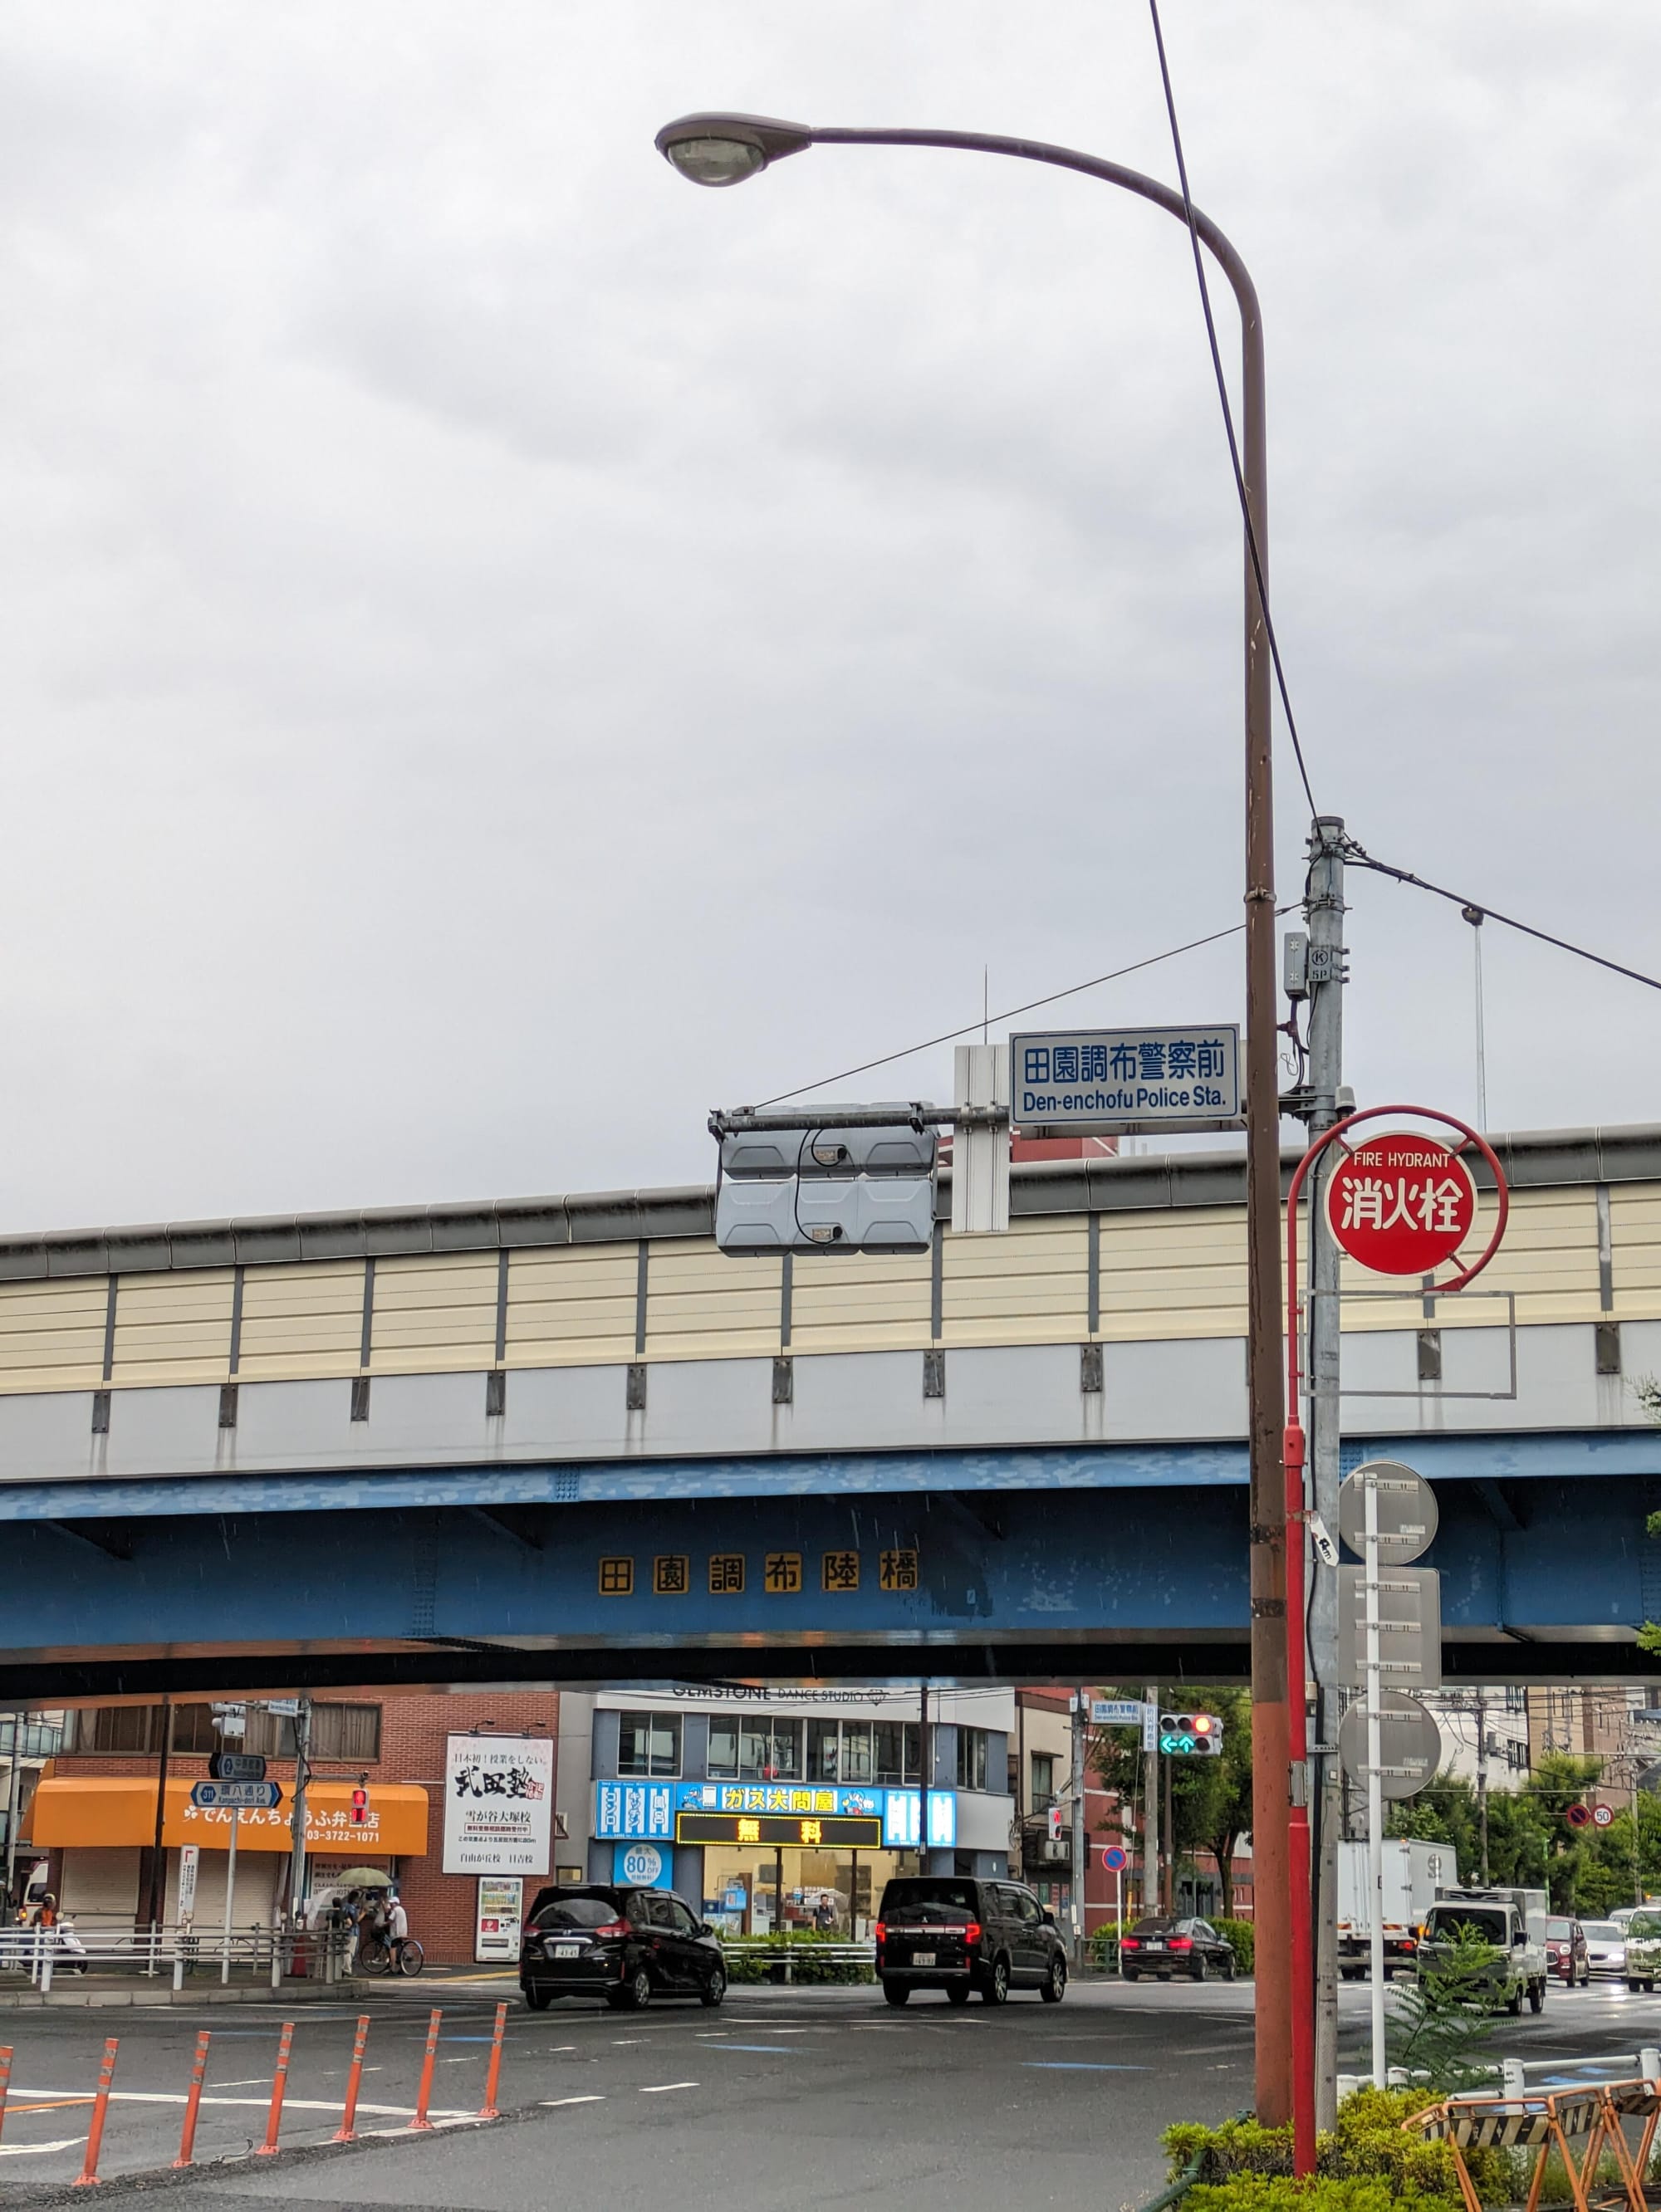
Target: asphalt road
{"x":782,"y":2102}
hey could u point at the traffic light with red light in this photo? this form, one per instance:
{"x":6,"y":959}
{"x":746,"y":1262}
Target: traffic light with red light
{"x":360,"y":1806}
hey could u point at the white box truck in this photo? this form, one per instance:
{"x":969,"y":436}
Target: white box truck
{"x":1414,"y":1873}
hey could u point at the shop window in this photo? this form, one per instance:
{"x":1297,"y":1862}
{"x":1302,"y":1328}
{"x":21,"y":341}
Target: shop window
{"x":1044,"y":1781}
{"x":192,"y":1729}
{"x":898,"y":1751}
{"x":974,"y":1749}
{"x":822,"y":1751}
{"x":769,"y":1748}
{"x":648,"y":1743}
{"x":722,"y":1762}
{"x":117,"y":1728}
{"x":856,"y":1751}
{"x":344,"y":1732}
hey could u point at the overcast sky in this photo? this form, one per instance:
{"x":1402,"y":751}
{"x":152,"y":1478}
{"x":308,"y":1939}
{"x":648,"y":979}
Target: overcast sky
{"x":505,"y":651}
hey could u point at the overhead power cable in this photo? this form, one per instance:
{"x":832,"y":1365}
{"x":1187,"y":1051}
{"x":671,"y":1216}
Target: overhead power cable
{"x":950,"y":1036}
{"x":1228,"y":413}
{"x":1358,"y":857}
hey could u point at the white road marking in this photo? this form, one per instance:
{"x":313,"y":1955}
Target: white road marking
{"x":659,"y":2089}
{"x":553,"y":2103}
{"x":35,"y":2150}
{"x":257,"y":2104}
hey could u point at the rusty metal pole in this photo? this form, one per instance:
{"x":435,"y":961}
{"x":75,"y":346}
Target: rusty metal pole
{"x":1271,"y":1774}
{"x":757,"y":141}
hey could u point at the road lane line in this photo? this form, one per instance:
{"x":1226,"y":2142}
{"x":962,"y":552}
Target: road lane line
{"x":661,"y":2088}
{"x":38,"y":2150}
{"x":1080,"y":2066}
{"x":552,"y":2103}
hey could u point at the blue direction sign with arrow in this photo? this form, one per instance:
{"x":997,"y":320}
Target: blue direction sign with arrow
{"x":236,"y":1796}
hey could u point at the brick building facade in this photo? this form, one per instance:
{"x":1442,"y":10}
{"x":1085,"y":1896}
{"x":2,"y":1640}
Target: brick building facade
{"x":393,"y":1742}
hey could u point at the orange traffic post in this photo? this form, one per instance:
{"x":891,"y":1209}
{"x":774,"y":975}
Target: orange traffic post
{"x":193,"y":2102}
{"x":279,"y":2083}
{"x":347,"y":2131}
{"x":488,"y":2110}
{"x":5,"y":2080}
{"x":87,"y":2177}
{"x":425,"y":2094}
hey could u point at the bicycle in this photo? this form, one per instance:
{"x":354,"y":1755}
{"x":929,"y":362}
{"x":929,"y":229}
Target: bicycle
{"x":401,"y":1955}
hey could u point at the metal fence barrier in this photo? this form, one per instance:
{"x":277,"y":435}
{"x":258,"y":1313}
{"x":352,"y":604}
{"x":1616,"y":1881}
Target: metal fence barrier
{"x":41,"y":1955}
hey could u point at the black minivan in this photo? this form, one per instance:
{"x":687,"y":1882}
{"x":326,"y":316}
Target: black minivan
{"x":625,"y":1945}
{"x":956,"y":1933}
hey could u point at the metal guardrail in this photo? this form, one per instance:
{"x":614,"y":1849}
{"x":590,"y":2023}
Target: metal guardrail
{"x":1510,"y":2076}
{"x":781,"y":1950}
{"x":41,"y":1955}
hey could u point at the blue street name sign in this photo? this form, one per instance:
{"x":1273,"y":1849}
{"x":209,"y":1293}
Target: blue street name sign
{"x":235,"y":1797}
{"x":1098,"y":1082}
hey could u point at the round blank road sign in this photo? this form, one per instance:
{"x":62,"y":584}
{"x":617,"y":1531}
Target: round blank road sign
{"x":1410,"y":1746}
{"x":1406,"y":1511}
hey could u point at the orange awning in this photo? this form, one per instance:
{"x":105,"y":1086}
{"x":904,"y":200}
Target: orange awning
{"x":100,"y":1810}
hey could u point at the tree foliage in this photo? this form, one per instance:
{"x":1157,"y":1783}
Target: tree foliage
{"x":1531,"y":1845}
{"x":1210,"y":1798}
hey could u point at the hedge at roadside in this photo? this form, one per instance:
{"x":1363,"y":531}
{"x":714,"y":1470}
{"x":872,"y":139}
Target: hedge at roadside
{"x":759,"y":1958}
{"x":1366,"y":2161}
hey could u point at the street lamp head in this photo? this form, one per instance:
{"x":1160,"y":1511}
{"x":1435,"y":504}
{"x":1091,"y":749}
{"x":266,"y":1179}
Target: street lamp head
{"x":724,"y":149}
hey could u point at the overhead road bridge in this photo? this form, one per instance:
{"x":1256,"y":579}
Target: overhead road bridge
{"x":566,"y":1437}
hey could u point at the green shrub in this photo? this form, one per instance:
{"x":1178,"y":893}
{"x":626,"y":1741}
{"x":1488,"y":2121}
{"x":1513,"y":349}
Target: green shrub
{"x":1366,"y":2145}
{"x":1263,"y":2192}
{"x":1104,"y":1944}
{"x":754,"y":1958}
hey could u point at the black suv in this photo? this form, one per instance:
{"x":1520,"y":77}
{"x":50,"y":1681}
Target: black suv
{"x":951,"y":1932}
{"x":625,"y":1945}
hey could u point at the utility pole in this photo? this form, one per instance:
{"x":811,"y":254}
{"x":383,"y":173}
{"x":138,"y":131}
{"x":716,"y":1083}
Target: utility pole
{"x":1151,"y":1886}
{"x":1323,"y":909}
{"x":1482,"y":1781}
{"x":302,"y":1746}
{"x":15,"y":1794}
{"x":925,"y":1777}
{"x":1078,"y":1827}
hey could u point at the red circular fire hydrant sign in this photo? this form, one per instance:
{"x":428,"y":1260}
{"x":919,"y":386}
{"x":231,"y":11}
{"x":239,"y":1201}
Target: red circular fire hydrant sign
{"x":1401,"y":1204}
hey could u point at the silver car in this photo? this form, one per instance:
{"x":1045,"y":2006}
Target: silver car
{"x":1606,"y":1946}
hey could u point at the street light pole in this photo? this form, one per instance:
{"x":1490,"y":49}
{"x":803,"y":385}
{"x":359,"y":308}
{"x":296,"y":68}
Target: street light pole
{"x":722,"y":150}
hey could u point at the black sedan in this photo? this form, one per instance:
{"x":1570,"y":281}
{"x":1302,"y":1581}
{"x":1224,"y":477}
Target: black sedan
{"x":1165,"y":1947}
{"x":625,"y":1945}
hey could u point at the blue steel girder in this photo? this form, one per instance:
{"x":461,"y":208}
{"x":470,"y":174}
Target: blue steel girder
{"x":1150,"y":1578}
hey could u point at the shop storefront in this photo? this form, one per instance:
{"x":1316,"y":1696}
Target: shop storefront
{"x":796,"y":1813}
{"x":95,"y":1827}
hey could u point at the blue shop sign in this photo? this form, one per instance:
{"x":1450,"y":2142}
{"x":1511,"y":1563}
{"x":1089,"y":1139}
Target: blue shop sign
{"x":626,"y":1810}
{"x":902,"y":1820}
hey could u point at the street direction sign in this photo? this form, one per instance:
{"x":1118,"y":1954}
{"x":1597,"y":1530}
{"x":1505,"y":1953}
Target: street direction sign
{"x":1406,"y":1511}
{"x":1105,"y":1082}
{"x":235,"y":1797}
{"x":1579,"y":1816}
{"x":1602,"y":1815}
{"x":1409,"y":1624}
{"x":1116,"y":1712}
{"x":1409,"y":1746}
{"x":1401,"y":1204}
{"x":237,"y":1766}
{"x":1116,"y":1858}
